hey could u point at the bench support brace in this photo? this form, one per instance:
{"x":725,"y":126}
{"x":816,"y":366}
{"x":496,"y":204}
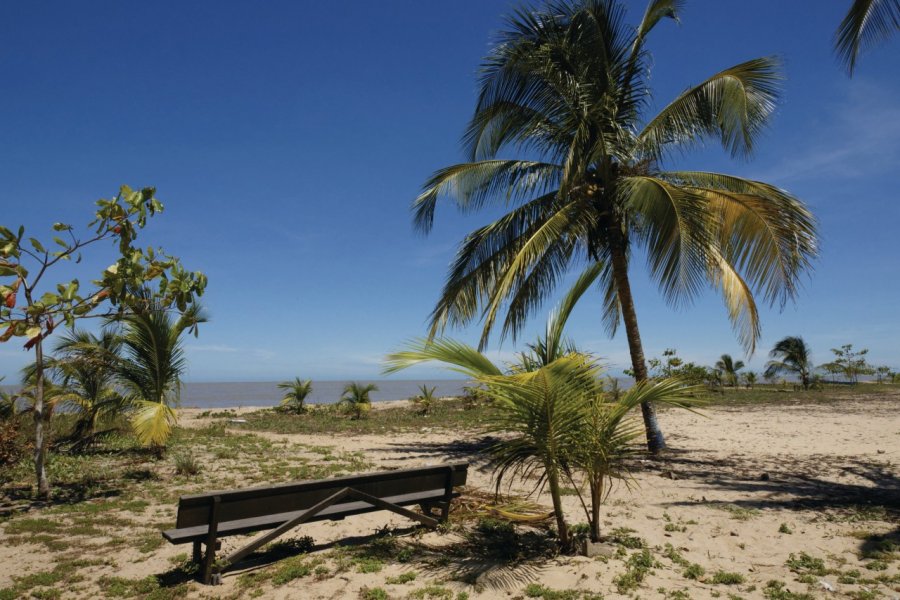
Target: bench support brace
{"x":310,"y":513}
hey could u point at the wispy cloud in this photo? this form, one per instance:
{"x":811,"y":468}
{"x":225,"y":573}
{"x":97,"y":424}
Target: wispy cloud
{"x":858,"y":135}
{"x":433,"y":254}
{"x":212,"y":348}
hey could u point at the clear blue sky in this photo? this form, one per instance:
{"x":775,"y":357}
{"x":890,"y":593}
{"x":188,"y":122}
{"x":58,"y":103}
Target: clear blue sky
{"x":287,"y":140}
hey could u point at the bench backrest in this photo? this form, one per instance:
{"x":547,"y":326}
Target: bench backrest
{"x":247,"y":503}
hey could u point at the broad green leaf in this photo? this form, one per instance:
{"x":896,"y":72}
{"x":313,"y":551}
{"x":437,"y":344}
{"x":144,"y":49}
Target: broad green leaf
{"x":37,"y":245}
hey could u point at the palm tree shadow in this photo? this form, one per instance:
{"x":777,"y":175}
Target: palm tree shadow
{"x":493,"y":556}
{"x":795,"y":483}
{"x":456,"y":449}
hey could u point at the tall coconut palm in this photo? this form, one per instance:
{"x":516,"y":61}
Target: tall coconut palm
{"x":791,"y":355}
{"x":729,"y":368}
{"x":357,"y":399}
{"x":151,"y":367}
{"x":295,"y":394}
{"x":868,"y":22}
{"x":566,"y":88}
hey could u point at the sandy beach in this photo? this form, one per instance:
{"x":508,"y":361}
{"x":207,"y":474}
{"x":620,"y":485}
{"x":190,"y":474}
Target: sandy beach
{"x":745,"y":490}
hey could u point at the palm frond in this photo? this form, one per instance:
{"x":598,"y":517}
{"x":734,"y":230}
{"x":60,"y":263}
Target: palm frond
{"x":867,"y":22}
{"x":734,"y":104}
{"x":674,"y":227}
{"x":471,"y":185}
{"x":461,"y":357}
{"x":152,"y":422}
{"x":739,"y":302}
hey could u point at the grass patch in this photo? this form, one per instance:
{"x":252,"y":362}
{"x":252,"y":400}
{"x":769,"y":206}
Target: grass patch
{"x":738,"y":513}
{"x":727,"y":578}
{"x":806,"y":564}
{"x":535,"y":590}
{"x":777,"y":590}
{"x":401,"y":578}
{"x":638,"y":566}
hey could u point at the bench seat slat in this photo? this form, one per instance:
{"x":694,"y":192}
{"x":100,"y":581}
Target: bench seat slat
{"x":240,"y":526}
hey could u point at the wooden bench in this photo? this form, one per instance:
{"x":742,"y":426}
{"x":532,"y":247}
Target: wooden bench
{"x":204,"y":518}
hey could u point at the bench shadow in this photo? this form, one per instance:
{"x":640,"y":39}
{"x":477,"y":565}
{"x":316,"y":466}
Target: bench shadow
{"x":288,"y":548}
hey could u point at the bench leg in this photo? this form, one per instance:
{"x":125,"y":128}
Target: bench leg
{"x":212,"y":543}
{"x":208,"y":561}
{"x":197,"y":555}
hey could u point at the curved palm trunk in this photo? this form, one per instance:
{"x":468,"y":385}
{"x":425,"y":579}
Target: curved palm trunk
{"x":655,"y":440}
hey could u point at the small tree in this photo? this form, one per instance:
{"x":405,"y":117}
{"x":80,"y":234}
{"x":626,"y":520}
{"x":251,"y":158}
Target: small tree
{"x":849,"y":362}
{"x":31,"y":309}
{"x":356,"y":399}
{"x":882,"y":373}
{"x":295,"y":394}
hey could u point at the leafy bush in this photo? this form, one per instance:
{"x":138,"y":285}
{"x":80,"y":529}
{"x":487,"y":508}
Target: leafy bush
{"x":13,"y":445}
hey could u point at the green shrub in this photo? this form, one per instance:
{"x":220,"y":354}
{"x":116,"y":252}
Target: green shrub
{"x":186,"y":464}
{"x":727,"y":578}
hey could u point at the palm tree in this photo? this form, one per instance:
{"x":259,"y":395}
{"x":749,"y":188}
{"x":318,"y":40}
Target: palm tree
{"x":7,"y":404}
{"x":295,"y":394}
{"x":750,"y":379}
{"x":151,"y":367}
{"x":356,"y":400}
{"x":791,"y":355}
{"x":552,"y":413}
{"x":566,"y":88}
{"x":425,"y":399}
{"x":86,"y":366}
{"x":729,"y":368}
{"x":868,"y":22}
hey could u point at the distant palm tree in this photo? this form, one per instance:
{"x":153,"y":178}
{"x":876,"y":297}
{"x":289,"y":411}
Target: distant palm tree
{"x":729,"y":368}
{"x":867,"y":23}
{"x":86,"y":366}
{"x":356,"y":398}
{"x":566,"y":89}
{"x":151,"y":368}
{"x":425,"y":399}
{"x":791,"y":355}
{"x":750,"y":379}
{"x":295,"y":394}
{"x":7,"y":404}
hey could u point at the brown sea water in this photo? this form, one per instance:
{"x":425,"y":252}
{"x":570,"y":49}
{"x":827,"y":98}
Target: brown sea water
{"x":267,"y":393}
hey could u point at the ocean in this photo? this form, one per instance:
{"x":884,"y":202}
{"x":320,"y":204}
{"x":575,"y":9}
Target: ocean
{"x":266,"y":393}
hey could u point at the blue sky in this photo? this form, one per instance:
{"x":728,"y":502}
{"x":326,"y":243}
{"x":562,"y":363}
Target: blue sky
{"x":287,"y":140}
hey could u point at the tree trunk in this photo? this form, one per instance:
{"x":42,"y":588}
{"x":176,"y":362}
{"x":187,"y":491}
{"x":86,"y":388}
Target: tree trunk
{"x":553,"y":483}
{"x":596,"y":499}
{"x":655,"y":440}
{"x":40,"y":441}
